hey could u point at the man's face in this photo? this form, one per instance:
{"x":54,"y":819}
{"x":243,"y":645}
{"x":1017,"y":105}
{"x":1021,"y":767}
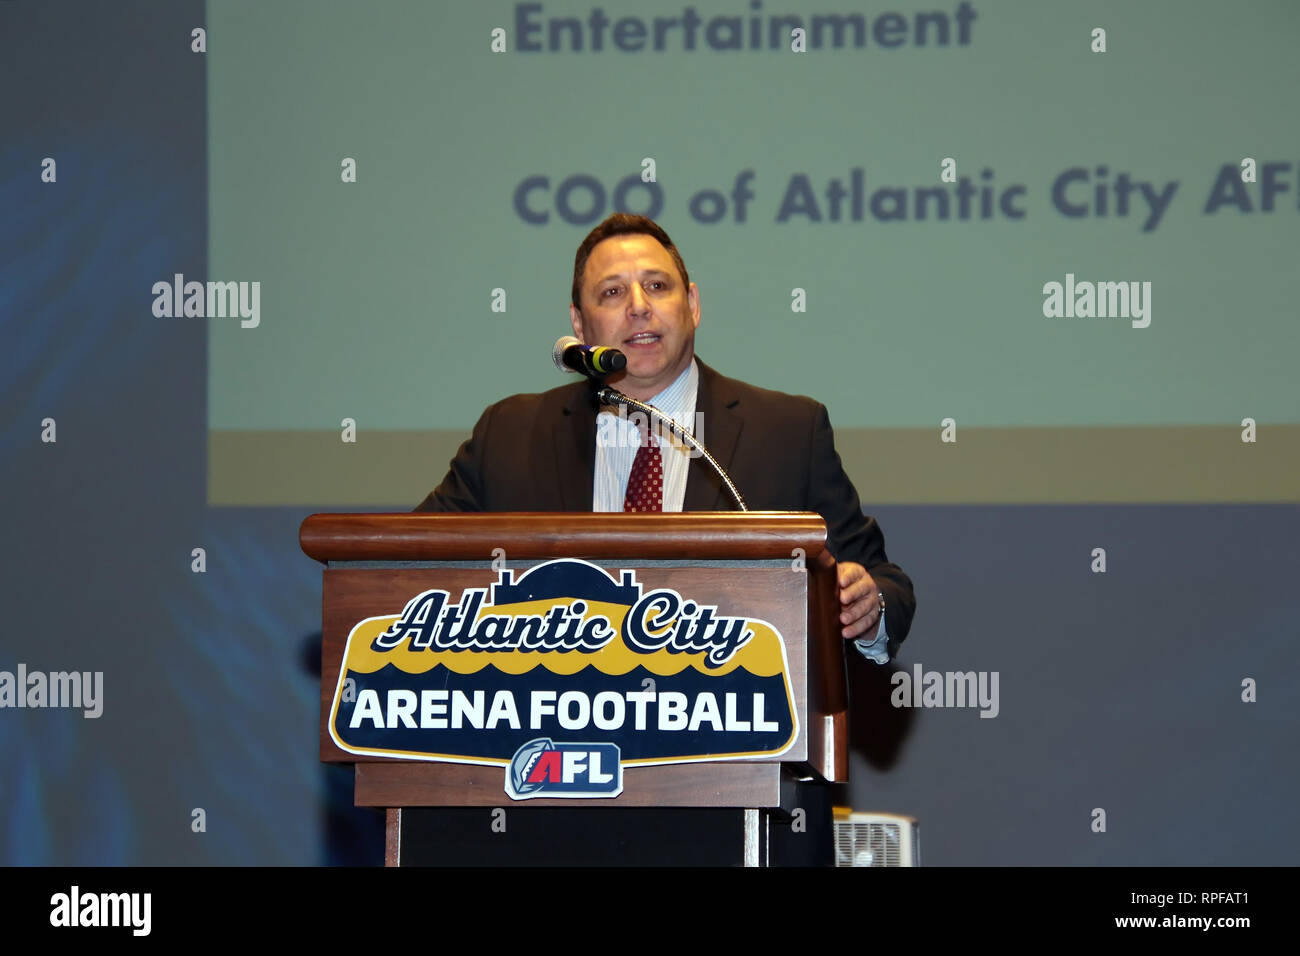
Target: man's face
{"x":633,"y":300}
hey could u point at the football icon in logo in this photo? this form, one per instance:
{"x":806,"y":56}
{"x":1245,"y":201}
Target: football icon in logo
{"x":524,"y":760}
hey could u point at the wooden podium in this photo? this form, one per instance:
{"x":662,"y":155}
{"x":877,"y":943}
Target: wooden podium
{"x":767,"y":570}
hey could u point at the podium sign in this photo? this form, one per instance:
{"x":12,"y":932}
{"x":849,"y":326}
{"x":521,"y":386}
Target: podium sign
{"x":564,"y":673}
{"x":469,"y":660}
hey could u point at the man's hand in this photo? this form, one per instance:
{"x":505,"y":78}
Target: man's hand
{"x":859,"y":600}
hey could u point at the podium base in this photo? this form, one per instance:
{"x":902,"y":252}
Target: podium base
{"x":516,"y":835}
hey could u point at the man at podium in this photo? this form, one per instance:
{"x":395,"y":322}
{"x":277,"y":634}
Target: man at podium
{"x":562,"y":451}
{"x":559,"y":451}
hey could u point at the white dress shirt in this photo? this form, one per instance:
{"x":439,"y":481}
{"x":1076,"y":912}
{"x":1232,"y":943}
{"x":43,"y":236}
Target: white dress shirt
{"x":618,"y":437}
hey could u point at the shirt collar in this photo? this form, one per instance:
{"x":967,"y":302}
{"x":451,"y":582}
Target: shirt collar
{"x":676,"y":399}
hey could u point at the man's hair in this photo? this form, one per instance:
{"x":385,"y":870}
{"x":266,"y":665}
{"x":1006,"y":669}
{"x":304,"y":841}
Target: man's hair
{"x":621,"y":224}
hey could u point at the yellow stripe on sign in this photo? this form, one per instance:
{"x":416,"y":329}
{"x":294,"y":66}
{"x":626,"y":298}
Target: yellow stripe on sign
{"x":762,"y":656}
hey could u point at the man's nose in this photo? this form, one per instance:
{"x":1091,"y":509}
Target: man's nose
{"x":637,"y":302}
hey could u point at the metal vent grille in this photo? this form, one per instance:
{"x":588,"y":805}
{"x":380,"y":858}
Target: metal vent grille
{"x":870,"y":839}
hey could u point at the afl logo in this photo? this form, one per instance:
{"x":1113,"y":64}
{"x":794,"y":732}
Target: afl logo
{"x":543,"y":768}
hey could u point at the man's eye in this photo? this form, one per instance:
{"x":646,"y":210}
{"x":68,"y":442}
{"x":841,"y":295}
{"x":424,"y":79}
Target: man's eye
{"x":612,"y":288}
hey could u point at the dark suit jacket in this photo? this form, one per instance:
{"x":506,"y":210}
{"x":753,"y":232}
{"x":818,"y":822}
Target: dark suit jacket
{"x":538,"y":453}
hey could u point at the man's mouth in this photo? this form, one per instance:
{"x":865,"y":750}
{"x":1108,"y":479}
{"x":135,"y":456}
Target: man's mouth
{"x":642,"y":338}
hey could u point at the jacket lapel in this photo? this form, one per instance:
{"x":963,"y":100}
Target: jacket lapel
{"x":573,"y":434}
{"x":721,"y":426}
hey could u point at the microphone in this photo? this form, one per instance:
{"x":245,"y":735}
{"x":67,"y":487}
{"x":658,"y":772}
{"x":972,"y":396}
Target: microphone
{"x":594,"y":361}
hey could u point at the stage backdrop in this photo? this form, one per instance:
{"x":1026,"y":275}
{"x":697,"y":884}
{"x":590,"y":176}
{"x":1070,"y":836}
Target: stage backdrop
{"x":872,"y":221}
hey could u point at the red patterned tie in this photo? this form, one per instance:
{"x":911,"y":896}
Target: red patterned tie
{"x":645,"y":485}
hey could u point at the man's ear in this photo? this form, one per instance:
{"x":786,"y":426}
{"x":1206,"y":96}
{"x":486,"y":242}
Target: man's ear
{"x":693,"y":302}
{"x":575,"y":317}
